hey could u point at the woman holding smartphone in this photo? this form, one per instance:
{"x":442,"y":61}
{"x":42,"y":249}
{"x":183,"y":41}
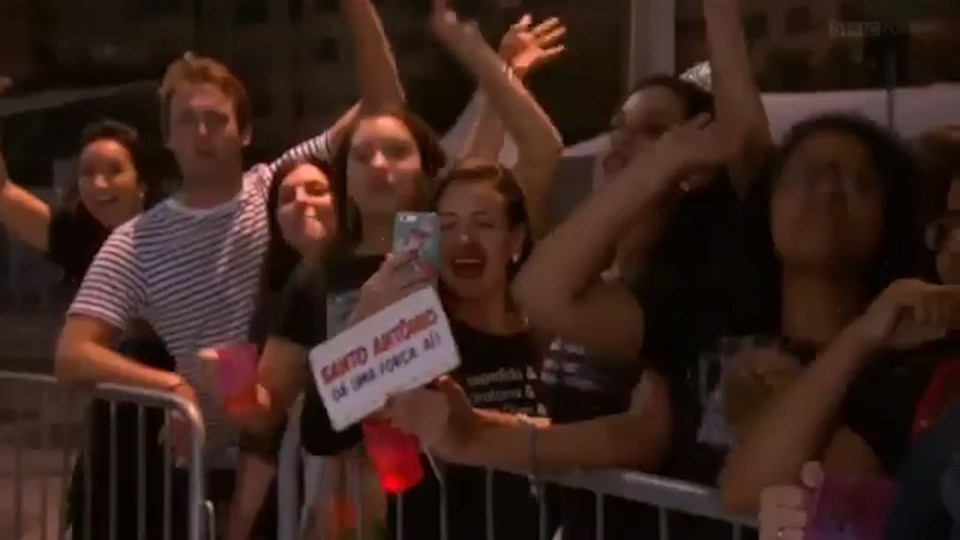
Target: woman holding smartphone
{"x":387,"y":165}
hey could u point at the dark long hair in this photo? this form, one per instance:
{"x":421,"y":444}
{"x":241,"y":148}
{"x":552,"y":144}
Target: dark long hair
{"x":84,"y":225}
{"x":695,"y":99}
{"x":900,"y":253}
{"x":127,"y":137}
{"x":280,"y":257}
{"x":432,"y":157}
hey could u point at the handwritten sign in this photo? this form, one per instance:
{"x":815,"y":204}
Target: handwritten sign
{"x":400,"y":348}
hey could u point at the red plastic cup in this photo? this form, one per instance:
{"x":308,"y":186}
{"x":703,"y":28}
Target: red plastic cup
{"x":237,"y":375}
{"x":395,"y":456}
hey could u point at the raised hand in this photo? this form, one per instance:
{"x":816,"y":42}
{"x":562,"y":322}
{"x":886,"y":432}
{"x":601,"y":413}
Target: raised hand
{"x":524,"y":48}
{"x":450,"y":30}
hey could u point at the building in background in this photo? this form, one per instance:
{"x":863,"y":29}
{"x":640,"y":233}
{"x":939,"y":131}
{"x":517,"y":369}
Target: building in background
{"x":799,"y":45}
{"x":25,"y":50}
{"x":294,"y":54}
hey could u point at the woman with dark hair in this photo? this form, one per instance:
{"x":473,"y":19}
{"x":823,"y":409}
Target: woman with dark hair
{"x":111,"y":188}
{"x":630,"y":275}
{"x":485,"y":239}
{"x":385,"y":163}
{"x":839,"y":249}
{"x":301,"y":223}
{"x":389,"y":164}
{"x":880,"y":444}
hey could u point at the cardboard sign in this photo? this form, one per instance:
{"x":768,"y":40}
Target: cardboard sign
{"x":402,"y":347}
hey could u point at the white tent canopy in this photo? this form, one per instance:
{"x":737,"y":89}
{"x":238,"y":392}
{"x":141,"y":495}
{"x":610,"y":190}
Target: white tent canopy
{"x":915,"y":111}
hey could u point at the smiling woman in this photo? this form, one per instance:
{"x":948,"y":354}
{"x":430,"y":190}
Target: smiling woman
{"x":110,"y":189}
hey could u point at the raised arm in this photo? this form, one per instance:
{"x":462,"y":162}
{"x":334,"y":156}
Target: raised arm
{"x":322,"y":146}
{"x":23,"y":215}
{"x":560,"y":287}
{"x":735,"y":89}
{"x":538,"y":142}
{"x":376,"y":67}
{"x":523,"y":49}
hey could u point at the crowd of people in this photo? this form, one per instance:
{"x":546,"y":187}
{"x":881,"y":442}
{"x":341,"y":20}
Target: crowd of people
{"x":722,"y":309}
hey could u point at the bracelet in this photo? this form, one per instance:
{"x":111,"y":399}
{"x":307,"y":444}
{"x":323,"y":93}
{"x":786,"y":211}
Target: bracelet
{"x":532,"y":427}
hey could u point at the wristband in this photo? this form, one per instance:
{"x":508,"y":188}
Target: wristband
{"x":532,"y":428}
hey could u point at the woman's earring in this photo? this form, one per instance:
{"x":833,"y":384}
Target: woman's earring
{"x":516,"y":258}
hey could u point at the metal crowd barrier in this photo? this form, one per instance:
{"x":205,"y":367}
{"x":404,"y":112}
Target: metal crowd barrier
{"x":92,"y":455}
{"x":321,"y":491}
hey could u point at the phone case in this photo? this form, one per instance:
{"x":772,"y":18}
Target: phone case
{"x":848,"y":507}
{"x":420,"y":232}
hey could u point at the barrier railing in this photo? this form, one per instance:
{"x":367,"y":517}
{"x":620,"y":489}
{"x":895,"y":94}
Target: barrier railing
{"x":322,"y":513}
{"x":90,"y":464}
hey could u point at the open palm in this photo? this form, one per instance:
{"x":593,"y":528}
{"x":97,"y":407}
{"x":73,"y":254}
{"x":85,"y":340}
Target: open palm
{"x":525,"y":48}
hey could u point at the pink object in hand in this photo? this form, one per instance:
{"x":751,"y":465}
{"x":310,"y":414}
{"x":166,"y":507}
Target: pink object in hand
{"x":848,"y":507}
{"x":395,"y":456}
{"x":237,"y":374}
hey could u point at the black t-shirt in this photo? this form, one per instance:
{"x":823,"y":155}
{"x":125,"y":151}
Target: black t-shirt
{"x":497,"y":373}
{"x":578,"y":388}
{"x":73,"y":240}
{"x":315,"y":306}
{"x":698,"y":285}
{"x":881,"y":404}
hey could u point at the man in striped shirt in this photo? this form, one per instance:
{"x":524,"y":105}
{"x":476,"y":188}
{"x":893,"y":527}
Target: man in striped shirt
{"x":190,"y":266}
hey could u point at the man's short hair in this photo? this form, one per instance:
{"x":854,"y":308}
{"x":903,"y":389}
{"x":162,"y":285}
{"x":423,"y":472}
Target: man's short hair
{"x":190,"y":70}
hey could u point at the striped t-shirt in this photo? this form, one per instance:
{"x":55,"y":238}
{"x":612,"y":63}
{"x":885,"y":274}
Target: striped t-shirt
{"x":192,"y":274}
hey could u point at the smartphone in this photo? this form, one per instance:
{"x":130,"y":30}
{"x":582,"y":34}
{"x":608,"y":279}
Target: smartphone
{"x":944,"y":387}
{"x":419,"y":232}
{"x":850,"y":507}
